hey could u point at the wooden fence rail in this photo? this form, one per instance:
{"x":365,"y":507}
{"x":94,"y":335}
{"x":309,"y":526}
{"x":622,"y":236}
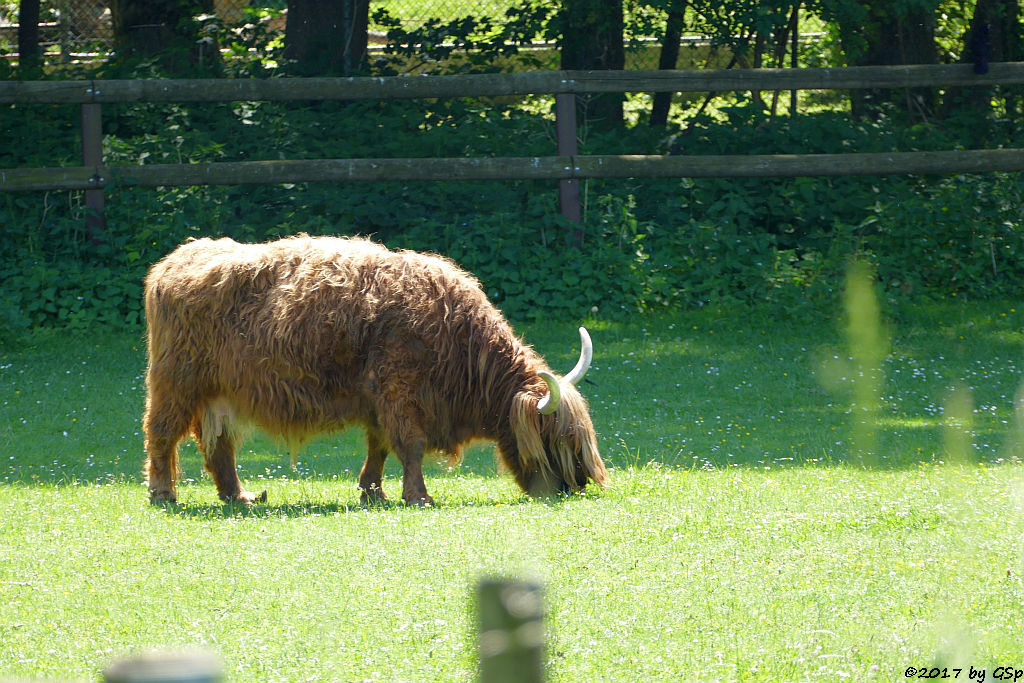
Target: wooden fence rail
{"x":522,"y":168}
{"x":567,"y":167}
{"x":494,"y":85}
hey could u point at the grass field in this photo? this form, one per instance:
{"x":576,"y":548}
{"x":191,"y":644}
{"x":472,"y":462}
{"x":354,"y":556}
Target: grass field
{"x":744,"y":537}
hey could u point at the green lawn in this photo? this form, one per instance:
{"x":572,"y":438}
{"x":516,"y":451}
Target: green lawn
{"x":743,"y":538}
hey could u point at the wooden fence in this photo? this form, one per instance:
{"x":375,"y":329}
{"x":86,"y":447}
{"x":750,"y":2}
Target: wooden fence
{"x":567,"y":166}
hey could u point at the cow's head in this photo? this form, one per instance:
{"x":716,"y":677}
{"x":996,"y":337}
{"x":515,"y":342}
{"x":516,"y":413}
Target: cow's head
{"x":555,"y":440}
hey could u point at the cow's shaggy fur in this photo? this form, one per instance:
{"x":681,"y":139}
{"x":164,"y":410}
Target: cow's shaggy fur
{"x":311,"y":334}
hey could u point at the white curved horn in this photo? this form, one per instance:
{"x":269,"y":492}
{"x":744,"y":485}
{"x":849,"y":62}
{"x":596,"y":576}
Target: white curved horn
{"x":586,"y":355}
{"x":549,"y":403}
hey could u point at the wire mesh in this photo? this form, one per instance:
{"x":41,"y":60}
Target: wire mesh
{"x":73,"y":27}
{"x":77,"y":25}
{"x":82,"y":28}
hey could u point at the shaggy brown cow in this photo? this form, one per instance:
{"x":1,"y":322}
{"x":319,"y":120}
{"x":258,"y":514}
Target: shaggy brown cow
{"x":311,"y":334}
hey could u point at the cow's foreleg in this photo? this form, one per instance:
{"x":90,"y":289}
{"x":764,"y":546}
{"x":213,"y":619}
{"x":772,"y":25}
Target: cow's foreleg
{"x":414,"y":489}
{"x":373,"y":469}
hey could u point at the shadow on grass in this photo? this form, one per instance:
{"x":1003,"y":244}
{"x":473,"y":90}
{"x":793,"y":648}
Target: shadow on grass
{"x":331,"y":509}
{"x":238,"y":510}
{"x":707,"y":389}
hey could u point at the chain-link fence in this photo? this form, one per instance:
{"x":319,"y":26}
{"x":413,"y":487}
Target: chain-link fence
{"x":74,"y":27}
{"x":65,"y":26}
{"x":80,"y":29}
{"x":77,"y":27}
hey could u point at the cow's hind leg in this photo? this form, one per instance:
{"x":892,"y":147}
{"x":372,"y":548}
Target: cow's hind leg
{"x":164,"y":424}
{"x":409,"y":444}
{"x":373,"y":469}
{"x":401,"y":420}
{"x":216,"y":440}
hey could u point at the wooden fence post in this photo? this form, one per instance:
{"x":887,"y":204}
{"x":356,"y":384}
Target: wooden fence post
{"x":92,"y":157}
{"x":565,"y":129}
{"x":195,"y":667}
{"x":511,"y":638}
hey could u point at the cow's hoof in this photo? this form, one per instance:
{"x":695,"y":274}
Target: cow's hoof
{"x":162,"y":498}
{"x":420,"y":501}
{"x":246,"y":498}
{"x":372,"y":496}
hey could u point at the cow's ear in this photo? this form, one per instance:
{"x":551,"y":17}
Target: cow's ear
{"x":525,"y":420}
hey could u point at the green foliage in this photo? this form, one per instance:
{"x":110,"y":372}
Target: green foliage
{"x":734,"y":23}
{"x":647,"y":244}
{"x":926,"y":236}
{"x":254,"y":46}
{"x":959,"y":236}
{"x":529,"y":269}
{"x":479,"y":44}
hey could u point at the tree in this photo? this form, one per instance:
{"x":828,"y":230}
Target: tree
{"x":739,"y":25}
{"x":324,"y":37}
{"x":882,"y":33}
{"x":29,"y":54}
{"x":164,"y":31}
{"x":667,"y":60}
{"x":592,"y":36}
{"x":994,"y":35}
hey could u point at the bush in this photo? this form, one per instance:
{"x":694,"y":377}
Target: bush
{"x":647,"y":244}
{"x":530,"y":268}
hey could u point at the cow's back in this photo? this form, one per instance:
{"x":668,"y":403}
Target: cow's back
{"x":293,"y":333}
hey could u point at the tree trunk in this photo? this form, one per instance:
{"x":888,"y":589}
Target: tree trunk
{"x":326,"y":37}
{"x":29,"y":54}
{"x":881,"y":34}
{"x":783,"y":35}
{"x":357,"y":35}
{"x":592,"y":39}
{"x":165,"y":31}
{"x":795,"y":56}
{"x":993,"y":36}
{"x":668,"y":60}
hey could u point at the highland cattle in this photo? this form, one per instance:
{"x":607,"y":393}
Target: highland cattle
{"x":314,"y":334}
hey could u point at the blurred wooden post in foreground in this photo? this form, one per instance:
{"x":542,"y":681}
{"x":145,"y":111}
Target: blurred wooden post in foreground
{"x":511,"y":638}
{"x":191,"y":667}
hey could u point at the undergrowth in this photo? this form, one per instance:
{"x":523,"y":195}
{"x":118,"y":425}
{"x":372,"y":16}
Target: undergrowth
{"x":647,"y":245}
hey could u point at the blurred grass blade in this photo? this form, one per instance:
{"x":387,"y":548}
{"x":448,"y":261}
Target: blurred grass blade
{"x":868,"y":349}
{"x":958,"y":426}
